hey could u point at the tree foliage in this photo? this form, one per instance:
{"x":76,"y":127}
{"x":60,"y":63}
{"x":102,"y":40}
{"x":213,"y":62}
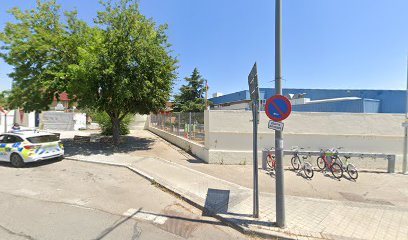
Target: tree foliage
{"x":120,"y":66}
{"x":104,"y":121}
{"x":4,"y":99}
{"x":191,"y":96}
{"x":40,"y":48}
{"x":127,"y":68}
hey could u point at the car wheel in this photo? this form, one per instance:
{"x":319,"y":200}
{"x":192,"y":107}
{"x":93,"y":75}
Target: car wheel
{"x":16,"y":160}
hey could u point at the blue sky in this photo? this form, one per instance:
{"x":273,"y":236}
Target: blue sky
{"x":356,"y":44}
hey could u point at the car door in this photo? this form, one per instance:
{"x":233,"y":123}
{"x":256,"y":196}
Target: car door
{"x":2,"y":148}
{"x":10,"y":144}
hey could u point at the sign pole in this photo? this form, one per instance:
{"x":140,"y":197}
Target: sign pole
{"x":405,"y":160}
{"x":254,"y":92}
{"x":279,"y":183}
{"x":255,"y":163}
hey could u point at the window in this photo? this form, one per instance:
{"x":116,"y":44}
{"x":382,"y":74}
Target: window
{"x":11,"y":139}
{"x":43,"y":139}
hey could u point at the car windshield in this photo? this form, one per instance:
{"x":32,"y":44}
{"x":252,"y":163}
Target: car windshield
{"x":43,"y":139}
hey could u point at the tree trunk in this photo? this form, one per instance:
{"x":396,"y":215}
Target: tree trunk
{"x":115,"y":130}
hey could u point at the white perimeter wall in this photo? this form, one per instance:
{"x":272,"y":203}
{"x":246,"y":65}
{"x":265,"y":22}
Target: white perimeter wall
{"x":139,"y":122}
{"x":228,"y":134}
{"x":10,"y":121}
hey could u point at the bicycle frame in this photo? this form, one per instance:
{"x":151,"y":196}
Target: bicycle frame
{"x":324,"y":156}
{"x":272,"y":157}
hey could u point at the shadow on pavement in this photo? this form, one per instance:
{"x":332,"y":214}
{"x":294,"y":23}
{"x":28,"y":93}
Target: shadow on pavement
{"x":130,"y":144}
{"x":195,"y":160}
{"x":31,"y":164}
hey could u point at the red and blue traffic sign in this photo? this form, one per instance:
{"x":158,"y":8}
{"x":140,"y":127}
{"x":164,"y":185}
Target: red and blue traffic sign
{"x":278,"y":108}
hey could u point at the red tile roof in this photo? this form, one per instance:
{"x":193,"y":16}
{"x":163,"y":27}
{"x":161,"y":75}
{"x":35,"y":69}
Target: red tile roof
{"x":62,"y":97}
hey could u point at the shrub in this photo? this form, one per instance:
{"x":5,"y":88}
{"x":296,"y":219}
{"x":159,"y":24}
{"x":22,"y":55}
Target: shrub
{"x":104,"y":121}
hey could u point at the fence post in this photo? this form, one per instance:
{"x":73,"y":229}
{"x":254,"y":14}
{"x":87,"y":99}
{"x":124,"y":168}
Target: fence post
{"x":189,"y":126}
{"x":170,"y":123}
{"x":178,"y":128}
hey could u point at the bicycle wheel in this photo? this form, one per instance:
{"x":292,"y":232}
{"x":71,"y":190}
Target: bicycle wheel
{"x":352,"y":171}
{"x":308,"y":169}
{"x":269,"y":161}
{"x":336,"y":170}
{"x":321,"y":164}
{"x":295,"y":161}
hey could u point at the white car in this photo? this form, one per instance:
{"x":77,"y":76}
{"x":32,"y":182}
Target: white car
{"x":20,"y":147}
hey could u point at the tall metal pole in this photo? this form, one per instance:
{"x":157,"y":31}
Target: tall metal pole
{"x":405,"y":160}
{"x":255,"y":163}
{"x":280,"y":197}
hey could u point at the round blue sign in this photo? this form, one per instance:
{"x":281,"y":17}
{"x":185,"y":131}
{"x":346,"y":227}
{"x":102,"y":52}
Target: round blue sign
{"x":278,"y":108}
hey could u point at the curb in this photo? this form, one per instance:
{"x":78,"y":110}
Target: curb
{"x":138,"y":172}
{"x":173,"y":191}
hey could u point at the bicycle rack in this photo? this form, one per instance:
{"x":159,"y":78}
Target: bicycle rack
{"x":389,"y":157}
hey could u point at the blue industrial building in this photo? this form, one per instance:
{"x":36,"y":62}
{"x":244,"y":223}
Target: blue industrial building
{"x":324,"y":100}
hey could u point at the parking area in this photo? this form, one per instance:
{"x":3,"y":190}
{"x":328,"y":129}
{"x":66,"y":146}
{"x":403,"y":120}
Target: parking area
{"x":73,"y":200}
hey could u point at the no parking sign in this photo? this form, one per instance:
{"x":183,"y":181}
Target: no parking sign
{"x":278,"y":108}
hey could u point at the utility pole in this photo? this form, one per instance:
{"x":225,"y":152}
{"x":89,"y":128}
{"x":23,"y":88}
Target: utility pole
{"x":405,"y":160}
{"x":279,"y":183}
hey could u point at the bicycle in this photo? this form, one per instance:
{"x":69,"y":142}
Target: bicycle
{"x":348,"y":167}
{"x":303,"y":165}
{"x":335,"y":157}
{"x":270,"y":159}
{"x":335,"y":168}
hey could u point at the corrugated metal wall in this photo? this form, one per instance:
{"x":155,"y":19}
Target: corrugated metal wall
{"x":232,"y":97}
{"x":355,"y":106}
{"x":391,"y":101}
{"x":372,"y":106}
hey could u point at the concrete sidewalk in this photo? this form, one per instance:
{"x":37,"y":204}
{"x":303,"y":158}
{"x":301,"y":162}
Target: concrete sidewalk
{"x":306,"y":217}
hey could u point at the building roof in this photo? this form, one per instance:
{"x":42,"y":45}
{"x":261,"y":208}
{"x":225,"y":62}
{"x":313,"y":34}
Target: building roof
{"x":62,"y":97}
{"x":333,"y":100}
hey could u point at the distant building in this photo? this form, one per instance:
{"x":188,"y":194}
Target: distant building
{"x":60,"y":104}
{"x":217,"y":94}
{"x":322,"y":100}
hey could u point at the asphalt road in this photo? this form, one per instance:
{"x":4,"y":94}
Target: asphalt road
{"x":73,"y":200}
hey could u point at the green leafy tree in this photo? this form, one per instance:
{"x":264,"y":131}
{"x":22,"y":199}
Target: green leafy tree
{"x":127,"y":68}
{"x":105,"y":123}
{"x":121,"y":66}
{"x":40,"y":48}
{"x":4,"y":99}
{"x":191,"y":96}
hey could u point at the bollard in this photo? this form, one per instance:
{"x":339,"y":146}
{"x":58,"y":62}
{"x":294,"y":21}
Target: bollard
{"x":391,"y":163}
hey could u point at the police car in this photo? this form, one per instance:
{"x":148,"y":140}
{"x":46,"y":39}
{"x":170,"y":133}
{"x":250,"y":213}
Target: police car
{"x":23,"y":146}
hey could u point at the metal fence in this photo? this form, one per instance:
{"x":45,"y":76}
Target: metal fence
{"x":189,"y":125}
